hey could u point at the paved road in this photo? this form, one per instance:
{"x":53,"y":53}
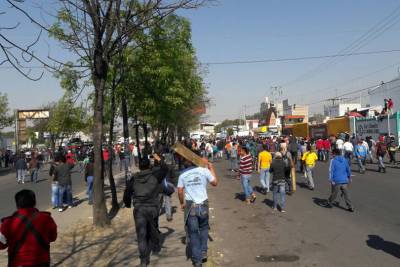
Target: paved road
{"x":9,"y":186}
{"x":308,"y":234}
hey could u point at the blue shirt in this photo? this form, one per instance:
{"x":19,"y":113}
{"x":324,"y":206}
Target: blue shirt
{"x":339,"y":170}
{"x":194,"y":181}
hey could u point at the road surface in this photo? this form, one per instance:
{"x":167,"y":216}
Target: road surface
{"x":309,"y":234}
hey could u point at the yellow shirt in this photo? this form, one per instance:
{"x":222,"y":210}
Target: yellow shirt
{"x":264,"y":160}
{"x":310,"y":158}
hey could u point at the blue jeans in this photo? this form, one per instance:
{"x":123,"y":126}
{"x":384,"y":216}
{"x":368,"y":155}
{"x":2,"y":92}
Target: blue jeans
{"x":279,"y":188}
{"x":248,"y":190}
{"x":89,"y":190}
{"x":348,"y":156}
{"x":66,"y":189}
{"x":34,"y":175}
{"x":264,"y":178}
{"x":321,"y":155}
{"x":361,"y":163}
{"x":55,"y":195}
{"x":197,"y":227}
{"x":380,"y":162}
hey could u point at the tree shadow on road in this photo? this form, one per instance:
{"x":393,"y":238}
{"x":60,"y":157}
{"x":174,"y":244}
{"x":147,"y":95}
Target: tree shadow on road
{"x":378,"y":243}
{"x":88,"y":246}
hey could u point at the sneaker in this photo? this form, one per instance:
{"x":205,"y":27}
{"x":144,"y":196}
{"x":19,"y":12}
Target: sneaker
{"x":283,"y":211}
{"x":350,"y":209}
{"x":70,"y":207}
{"x":60,"y":210}
{"x":204,"y":255}
{"x":275,"y":209}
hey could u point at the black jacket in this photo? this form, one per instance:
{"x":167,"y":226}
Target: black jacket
{"x":145,"y":188}
{"x":278,"y":171}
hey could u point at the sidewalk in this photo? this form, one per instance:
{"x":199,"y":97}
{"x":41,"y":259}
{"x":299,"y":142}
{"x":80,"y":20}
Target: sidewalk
{"x":80,"y":244}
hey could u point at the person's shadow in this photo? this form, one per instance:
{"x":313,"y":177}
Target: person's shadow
{"x":378,"y":243}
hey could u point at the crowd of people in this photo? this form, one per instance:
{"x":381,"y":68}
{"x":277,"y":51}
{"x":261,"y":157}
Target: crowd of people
{"x":161,"y":172}
{"x":277,"y":159}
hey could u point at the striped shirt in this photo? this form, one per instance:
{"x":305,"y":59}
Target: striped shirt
{"x":246,"y":165}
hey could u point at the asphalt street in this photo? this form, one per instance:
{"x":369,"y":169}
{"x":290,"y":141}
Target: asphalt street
{"x":308,"y":234}
{"x":9,"y":186}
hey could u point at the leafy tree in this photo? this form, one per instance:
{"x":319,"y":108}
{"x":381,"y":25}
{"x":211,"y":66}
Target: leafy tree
{"x":165,"y":84}
{"x":6,"y":120}
{"x":96,"y":31}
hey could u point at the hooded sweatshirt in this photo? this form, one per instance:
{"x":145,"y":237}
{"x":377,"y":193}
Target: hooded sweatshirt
{"x":339,"y":170}
{"x":146,"y":186}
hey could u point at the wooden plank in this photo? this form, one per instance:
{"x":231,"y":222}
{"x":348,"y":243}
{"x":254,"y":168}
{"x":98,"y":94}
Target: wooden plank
{"x":189,"y":155}
{"x":293,"y":172}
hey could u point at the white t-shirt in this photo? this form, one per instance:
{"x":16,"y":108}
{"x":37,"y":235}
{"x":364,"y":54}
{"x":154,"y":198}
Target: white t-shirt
{"x":194,"y":181}
{"x":339,"y":144}
{"x":348,"y":147}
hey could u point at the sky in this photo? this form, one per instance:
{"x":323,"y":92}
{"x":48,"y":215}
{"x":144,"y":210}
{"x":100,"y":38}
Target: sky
{"x":241,"y":30}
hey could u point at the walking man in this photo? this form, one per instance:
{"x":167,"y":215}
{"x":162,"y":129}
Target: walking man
{"x":89,"y":177}
{"x":339,"y":177}
{"x":309,"y":158}
{"x":192,"y":192}
{"x":348,"y":151}
{"x":277,"y":170}
{"x":360,"y":152}
{"x":381,"y":150}
{"x":145,"y":188}
{"x":21,"y":168}
{"x":264,"y":163}
{"x":27,"y":233}
{"x":245,"y":172}
{"x":34,"y":168}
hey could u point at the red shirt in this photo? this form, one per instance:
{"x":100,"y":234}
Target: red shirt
{"x":70,"y":158}
{"x":319,"y":144}
{"x":106,"y":156}
{"x":327,"y":144}
{"x":31,"y":252}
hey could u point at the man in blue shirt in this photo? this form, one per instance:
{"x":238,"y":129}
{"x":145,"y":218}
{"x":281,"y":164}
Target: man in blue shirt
{"x":192,"y":191}
{"x":339,"y":177}
{"x":360,"y":152}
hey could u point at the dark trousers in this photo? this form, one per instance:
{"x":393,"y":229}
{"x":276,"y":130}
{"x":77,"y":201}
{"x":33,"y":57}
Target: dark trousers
{"x":146,"y":221}
{"x":345,"y":193}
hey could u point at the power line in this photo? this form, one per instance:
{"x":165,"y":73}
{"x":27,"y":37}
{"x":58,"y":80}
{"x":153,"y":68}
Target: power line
{"x":351,"y":80}
{"x":355,"y":91}
{"x":377,"y":30}
{"x":301,"y":58}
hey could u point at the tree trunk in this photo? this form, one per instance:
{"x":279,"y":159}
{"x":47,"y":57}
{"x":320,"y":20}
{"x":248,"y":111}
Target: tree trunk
{"x":138,"y":139}
{"x":125,"y":126}
{"x":100,"y":217}
{"x":114,"y":198}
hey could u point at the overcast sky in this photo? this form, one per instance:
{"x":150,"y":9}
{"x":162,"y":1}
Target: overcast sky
{"x":240,"y":30}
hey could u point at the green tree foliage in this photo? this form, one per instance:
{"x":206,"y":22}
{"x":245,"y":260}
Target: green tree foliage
{"x":5,"y":119}
{"x":165,"y":84}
